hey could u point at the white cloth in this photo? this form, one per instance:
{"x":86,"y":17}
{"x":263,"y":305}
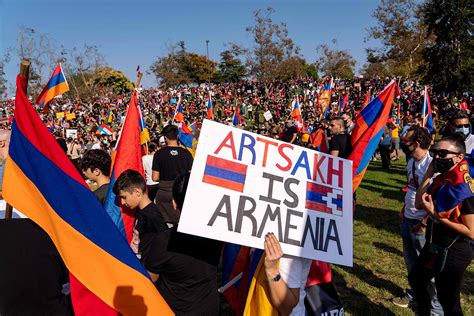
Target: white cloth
{"x":421,"y":166}
{"x":469,"y":141}
{"x":147,"y":161}
{"x":294,"y":271}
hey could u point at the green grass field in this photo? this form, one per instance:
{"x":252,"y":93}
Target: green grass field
{"x":379,"y":272}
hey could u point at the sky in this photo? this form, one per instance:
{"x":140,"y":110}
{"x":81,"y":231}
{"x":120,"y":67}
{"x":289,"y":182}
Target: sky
{"x":131,"y":33}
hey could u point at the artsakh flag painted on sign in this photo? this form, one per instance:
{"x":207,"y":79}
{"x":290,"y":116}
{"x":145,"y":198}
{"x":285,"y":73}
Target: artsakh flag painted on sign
{"x":225,"y":173}
{"x":323,"y":199}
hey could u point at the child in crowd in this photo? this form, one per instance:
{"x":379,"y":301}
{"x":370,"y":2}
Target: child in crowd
{"x":95,"y":165}
{"x":186,"y":265}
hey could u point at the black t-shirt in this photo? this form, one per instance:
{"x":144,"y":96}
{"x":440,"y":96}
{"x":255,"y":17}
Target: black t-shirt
{"x":101,"y":193}
{"x":442,"y":234}
{"x":342,"y":143}
{"x":31,"y":271}
{"x":170,"y":162}
{"x":289,"y":132}
{"x":187,"y":265}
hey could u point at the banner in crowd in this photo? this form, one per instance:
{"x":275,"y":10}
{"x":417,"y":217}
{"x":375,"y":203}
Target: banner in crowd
{"x":244,"y":185}
{"x":71,"y":133}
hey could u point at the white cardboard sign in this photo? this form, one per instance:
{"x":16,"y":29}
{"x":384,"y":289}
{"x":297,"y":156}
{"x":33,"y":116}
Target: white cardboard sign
{"x":244,"y":185}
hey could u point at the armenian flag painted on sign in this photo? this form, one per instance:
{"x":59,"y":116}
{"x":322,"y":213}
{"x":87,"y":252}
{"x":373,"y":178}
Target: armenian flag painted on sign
{"x":368,"y":129}
{"x":42,"y":183}
{"x":56,"y":85}
{"x":225,"y":173}
{"x":128,"y":156}
{"x":427,"y":113}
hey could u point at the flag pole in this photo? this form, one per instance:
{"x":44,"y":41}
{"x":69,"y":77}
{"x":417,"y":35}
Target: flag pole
{"x":24,"y":72}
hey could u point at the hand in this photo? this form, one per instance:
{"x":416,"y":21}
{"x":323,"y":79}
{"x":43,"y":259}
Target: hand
{"x":134,"y":244}
{"x":273,"y":253}
{"x":419,"y":229}
{"x":427,"y":203}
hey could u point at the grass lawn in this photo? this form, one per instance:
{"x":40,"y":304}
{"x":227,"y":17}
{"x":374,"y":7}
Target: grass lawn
{"x":379,"y":272}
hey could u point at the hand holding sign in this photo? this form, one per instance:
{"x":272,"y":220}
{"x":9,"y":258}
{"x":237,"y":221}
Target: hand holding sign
{"x":244,"y":184}
{"x":273,"y":253}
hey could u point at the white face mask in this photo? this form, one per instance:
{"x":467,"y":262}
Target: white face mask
{"x":462,"y":130}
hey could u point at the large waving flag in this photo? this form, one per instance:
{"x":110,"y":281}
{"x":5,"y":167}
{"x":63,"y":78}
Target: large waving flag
{"x":368,"y":130}
{"x":178,"y":114}
{"x":237,"y":119}
{"x":210,"y":115}
{"x":366,"y":99}
{"x":296,"y":114}
{"x":128,"y":156}
{"x":56,"y":85}
{"x":186,"y":137}
{"x":324,"y":99}
{"x":427,"y":113}
{"x":43,"y":184}
{"x":144,"y":135}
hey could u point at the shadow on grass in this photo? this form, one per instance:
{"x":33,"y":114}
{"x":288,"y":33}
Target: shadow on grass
{"x":382,"y":184}
{"x":388,"y":248}
{"x":355,"y":302}
{"x":386,"y":191}
{"x":378,"y":218}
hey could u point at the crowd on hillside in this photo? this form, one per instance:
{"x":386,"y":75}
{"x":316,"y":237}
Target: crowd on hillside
{"x":437,"y":220}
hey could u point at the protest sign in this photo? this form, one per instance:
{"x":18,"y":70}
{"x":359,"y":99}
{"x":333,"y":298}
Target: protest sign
{"x":71,"y":133}
{"x":268,"y":115}
{"x":70,"y":116}
{"x":244,"y":185}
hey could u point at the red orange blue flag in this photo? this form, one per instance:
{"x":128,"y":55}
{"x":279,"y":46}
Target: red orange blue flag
{"x":237,"y":119}
{"x":324,"y":99}
{"x":178,"y":114}
{"x":368,"y":129}
{"x":427,"y":113}
{"x":42,"y":183}
{"x":56,"y":85}
{"x":129,"y":154}
{"x":210,"y":115}
{"x":296,"y":114}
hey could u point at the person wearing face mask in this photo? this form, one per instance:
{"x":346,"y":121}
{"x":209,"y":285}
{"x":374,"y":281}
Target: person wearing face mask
{"x":459,"y":125}
{"x":449,"y":202}
{"x":417,"y":141}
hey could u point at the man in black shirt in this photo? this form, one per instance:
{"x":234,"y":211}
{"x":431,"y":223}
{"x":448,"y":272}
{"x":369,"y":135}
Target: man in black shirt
{"x":340,"y":143}
{"x":186,"y":264}
{"x":168,"y":163}
{"x":290,"y":134}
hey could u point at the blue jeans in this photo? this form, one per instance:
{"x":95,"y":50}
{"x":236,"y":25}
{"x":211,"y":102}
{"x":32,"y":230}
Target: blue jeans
{"x":412,"y":245}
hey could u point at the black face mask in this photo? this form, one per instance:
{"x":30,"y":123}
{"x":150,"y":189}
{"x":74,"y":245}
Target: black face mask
{"x":443,"y":165}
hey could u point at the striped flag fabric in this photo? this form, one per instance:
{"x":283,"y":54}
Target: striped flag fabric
{"x":427,"y":113}
{"x":368,"y":129}
{"x":210,"y":115}
{"x":225,"y":173}
{"x":323,"y":199}
{"x":144,"y":135}
{"x":296,"y":114}
{"x":104,"y":130}
{"x":42,"y":183}
{"x":56,"y":85}
{"x":324,"y":99}
{"x":178,"y":114}
{"x":128,"y":155}
{"x":237,"y":118}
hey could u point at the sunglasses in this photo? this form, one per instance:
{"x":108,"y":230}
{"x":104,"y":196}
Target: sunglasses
{"x":462,"y":125}
{"x":442,"y":153}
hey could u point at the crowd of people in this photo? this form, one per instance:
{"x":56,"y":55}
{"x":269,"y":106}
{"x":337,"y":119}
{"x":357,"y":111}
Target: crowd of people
{"x":437,"y":219}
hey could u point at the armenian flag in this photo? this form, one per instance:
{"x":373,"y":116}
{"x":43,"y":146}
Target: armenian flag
{"x":104,"y":130}
{"x":296,"y":114}
{"x":237,"y":119}
{"x":185,"y":136}
{"x":225,"y":173}
{"x":42,"y":183}
{"x":343,"y":102}
{"x":178,"y":114}
{"x":210,"y":115}
{"x":56,"y":85}
{"x":368,"y":129}
{"x":128,"y":156}
{"x":324,"y":99}
{"x":427,"y":114}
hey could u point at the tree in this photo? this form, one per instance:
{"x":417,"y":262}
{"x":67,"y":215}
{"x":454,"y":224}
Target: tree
{"x":334,"y":62}
{"x":375,"y":66}
{"x":450,"y":58}
{"x":403,"y":36}
{"x":108,"y":80}
{"x":231,"y":68}
{"x":182,"y":67}
{"x":271,"y":48}
{"x":3,"y":81}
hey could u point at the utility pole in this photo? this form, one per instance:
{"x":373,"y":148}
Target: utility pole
{"x":207,"y":52}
